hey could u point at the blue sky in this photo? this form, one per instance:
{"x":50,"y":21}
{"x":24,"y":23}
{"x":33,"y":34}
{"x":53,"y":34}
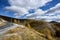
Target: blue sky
{"x":5,"y":3}
{"x":50,"y":4}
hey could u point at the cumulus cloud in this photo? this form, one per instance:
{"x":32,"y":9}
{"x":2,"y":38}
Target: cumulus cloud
{"x":21,"y":7}
{"x":52,"y":14}
{"x":17,"y":10}
{"x":38,"y":13}
{"x":28,"y":3}
{"x":54,"y":9}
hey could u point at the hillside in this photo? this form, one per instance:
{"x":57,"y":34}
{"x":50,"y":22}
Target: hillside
{"x":29,"y":30}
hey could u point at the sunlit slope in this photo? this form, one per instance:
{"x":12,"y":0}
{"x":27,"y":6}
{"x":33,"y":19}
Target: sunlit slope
{"x":19,"y":32}
{"x":22,"y":33}
{"x":28,"y":29}
{"x":4,"y":24}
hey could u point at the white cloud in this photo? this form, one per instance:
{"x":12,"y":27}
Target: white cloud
{"x":34,"y":15}
{"x":53,"y":14}
{"x":18,"y":10}
{"x":54,"y":9}
{"x":28,"y":3}
{"x":21,"y":7}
